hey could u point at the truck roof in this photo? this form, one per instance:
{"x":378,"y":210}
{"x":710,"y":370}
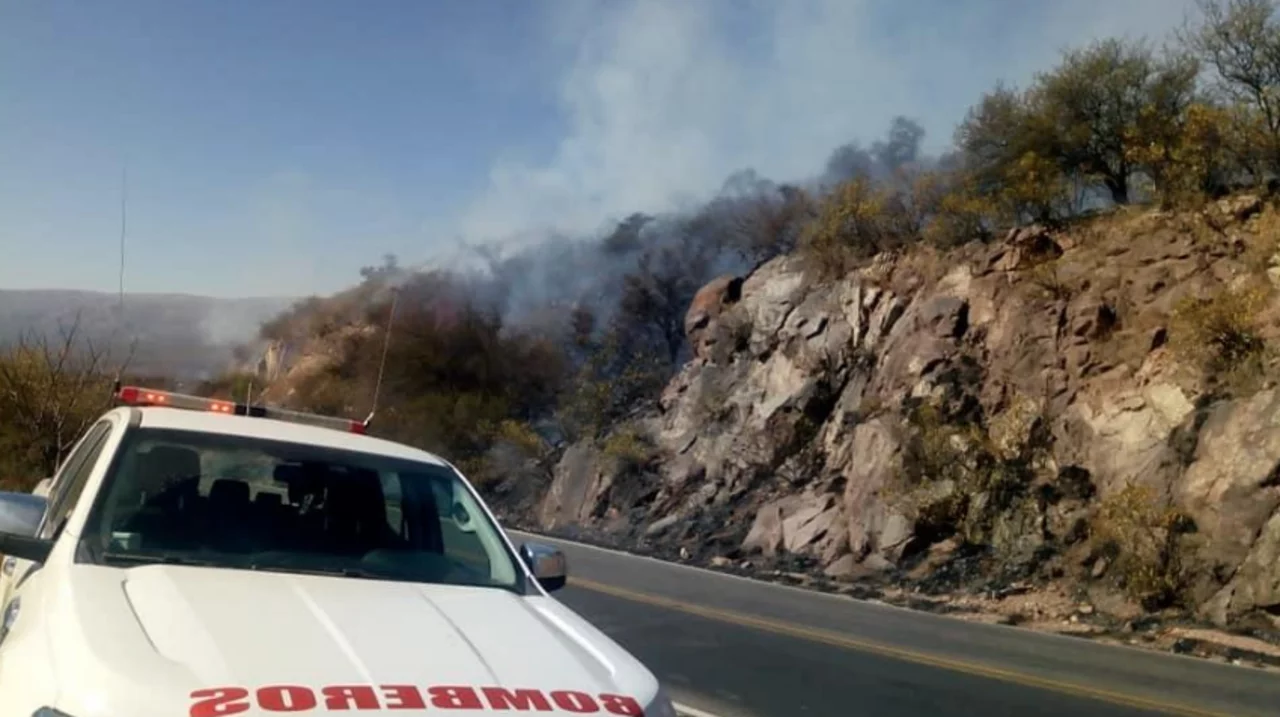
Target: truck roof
{"x":206,"y":422}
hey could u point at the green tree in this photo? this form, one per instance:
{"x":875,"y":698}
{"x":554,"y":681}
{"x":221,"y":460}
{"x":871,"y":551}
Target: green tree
{"x":1006,"y":154}
{"x":1196,"y":159}
{"x":1090,"y":121}
{"x":1104,"y":98}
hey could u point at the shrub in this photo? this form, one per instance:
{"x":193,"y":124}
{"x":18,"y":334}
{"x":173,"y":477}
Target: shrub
{"x":1035,"y":188}
{"x":628,"y":447}
{"x":1048,"y":278}
{"x":515,"y":449}
{"x":522,"y":436}
{"x":1142,"y":537}
{"x":856,"y":221}
{"x":950,"y":211}
{"x":456,"y":381}
{"x":1222,"y":335}
{"x":956,"y":478}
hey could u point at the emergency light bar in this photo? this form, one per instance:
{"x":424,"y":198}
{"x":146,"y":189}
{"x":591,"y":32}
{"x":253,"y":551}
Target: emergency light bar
{"x":137,"y":396}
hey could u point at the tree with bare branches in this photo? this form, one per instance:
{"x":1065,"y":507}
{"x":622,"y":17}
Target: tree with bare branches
{"x":1240,"y":41}
{"x":51,"y":389}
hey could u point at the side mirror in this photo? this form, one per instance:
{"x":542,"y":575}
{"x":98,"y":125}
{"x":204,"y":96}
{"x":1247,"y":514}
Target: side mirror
{"x":20,"y":516}
{"x":548,"y":565}
{"x":42,"y":488}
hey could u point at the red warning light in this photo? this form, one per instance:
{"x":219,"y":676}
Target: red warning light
{"x":222,"y":407}
{"x":136,"y":396}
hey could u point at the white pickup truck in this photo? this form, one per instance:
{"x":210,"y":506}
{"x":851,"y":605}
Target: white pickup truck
{"x":201,"y":558}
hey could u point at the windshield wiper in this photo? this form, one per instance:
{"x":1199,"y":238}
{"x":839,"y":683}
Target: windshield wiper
{"x":157,"y":558}
{"x":340,"y":572}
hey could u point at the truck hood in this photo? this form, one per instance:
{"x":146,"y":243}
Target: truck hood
{"x":211,"y":642}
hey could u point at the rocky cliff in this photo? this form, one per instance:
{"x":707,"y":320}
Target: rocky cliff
{"x":1084,"y":415}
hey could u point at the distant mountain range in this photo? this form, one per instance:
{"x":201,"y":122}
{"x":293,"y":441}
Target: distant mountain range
{"x":176,"y":334}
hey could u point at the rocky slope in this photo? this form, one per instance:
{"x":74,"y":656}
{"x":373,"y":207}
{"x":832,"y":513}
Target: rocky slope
{"x":1026,"y":429}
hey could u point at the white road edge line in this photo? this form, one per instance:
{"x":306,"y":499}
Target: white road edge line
{"x":876,"y":603}
{"x":760,"y":582}
{"x":691,"y":711}
{"x":707,"y":571}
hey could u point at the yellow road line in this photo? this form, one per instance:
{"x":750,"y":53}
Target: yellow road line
{"x":921,"y":658}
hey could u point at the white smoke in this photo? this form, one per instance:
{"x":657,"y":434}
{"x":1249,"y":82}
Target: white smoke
{"x":663,"y":99}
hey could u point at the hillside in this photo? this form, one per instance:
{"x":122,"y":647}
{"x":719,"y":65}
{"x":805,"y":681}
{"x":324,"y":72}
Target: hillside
{"x":1032,"y":380}
{"x":1057,"y":420}
{"x":177,"y":335}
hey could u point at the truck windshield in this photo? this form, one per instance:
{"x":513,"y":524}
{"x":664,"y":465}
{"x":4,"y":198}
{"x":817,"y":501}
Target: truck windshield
{"x":243,"y":502}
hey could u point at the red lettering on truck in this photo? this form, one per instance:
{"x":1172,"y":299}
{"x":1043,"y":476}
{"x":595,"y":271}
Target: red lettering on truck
{"x":403,"y":697}
{"x":223,"y":701}
{"x":219,"y":701}
{"x":286,"y":698}
{"x":501,"y":698}
{"x":572,"y":701}
{"x":621,"y":705}
{"x":350,"y":697}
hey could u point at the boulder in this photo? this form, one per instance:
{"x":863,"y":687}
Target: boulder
{"x":707,"y":305}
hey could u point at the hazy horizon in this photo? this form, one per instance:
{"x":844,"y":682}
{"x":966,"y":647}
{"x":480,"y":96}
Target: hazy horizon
{"x":112,"y":294}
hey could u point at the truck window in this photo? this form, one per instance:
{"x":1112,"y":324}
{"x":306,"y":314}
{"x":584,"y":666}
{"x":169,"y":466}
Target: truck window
{"x":246,"y":502}
{"x":70,"y":483}
{"x":459,"y":535}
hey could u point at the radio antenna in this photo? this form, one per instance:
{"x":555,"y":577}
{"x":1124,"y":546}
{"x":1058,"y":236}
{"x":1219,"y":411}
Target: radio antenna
{"x":382,"y":364}
{"x":124,"y":218}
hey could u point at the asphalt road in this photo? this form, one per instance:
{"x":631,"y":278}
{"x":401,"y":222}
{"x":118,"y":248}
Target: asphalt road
{"x":734,"y":647}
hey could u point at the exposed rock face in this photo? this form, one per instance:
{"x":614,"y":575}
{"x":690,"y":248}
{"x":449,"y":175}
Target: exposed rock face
{"x":271,"y":365}
{"x":873,"y":424}
{"x":1233,"y":490}
{"x":707,"y":305}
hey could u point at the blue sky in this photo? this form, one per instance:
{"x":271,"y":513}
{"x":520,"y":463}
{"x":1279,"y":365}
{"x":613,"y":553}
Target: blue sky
{"x":273,"y":147}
